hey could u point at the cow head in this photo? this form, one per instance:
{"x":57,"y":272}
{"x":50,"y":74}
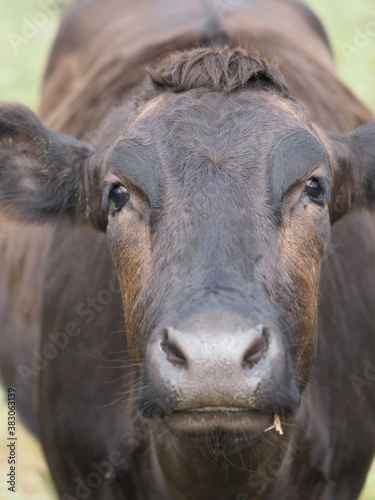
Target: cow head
{"x":217,"y":201}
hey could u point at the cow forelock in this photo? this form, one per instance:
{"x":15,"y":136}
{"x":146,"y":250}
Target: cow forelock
{"x":218,"y":70}
{"x":213,"y":225}
{"x":211,"y":68}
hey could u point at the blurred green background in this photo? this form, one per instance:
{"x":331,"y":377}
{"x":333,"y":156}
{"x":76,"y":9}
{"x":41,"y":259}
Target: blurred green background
{"x":350,"y":25}
{"x":351,"y":28}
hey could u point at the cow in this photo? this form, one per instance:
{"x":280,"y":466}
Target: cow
{"x":187,"y":256}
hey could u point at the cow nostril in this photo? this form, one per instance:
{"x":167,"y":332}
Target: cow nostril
{"x":257,"y":350}
{"x":174,"y":354}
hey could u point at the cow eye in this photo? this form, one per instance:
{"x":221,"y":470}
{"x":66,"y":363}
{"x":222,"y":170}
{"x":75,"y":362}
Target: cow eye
{"x":315,"y":190}
{"x":118,"y":196}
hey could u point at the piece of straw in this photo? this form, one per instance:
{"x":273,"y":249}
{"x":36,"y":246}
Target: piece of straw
{"x":276,"y":425}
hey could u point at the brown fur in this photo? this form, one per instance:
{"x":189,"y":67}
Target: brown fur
{"x":205,"y":223}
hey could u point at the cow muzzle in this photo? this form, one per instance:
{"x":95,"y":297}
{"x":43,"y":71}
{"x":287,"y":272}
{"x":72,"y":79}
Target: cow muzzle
{"x":217,"y":370}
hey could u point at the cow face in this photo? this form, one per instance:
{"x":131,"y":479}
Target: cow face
{"x":217,"y":206}
{"x":218,"y":221}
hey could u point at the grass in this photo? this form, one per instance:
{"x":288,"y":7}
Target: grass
{"x":24,"y":48}
{"x":351,"y":27}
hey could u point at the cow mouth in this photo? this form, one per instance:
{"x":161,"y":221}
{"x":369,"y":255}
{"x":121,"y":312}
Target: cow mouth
{"x":234,"y":427}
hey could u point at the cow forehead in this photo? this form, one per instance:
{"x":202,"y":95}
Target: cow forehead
{"x":203,"y":115}
{"x":245,"y":133}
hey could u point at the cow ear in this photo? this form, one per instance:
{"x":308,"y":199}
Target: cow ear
{"x":353,"y":159}
{"x":45,"y":175}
